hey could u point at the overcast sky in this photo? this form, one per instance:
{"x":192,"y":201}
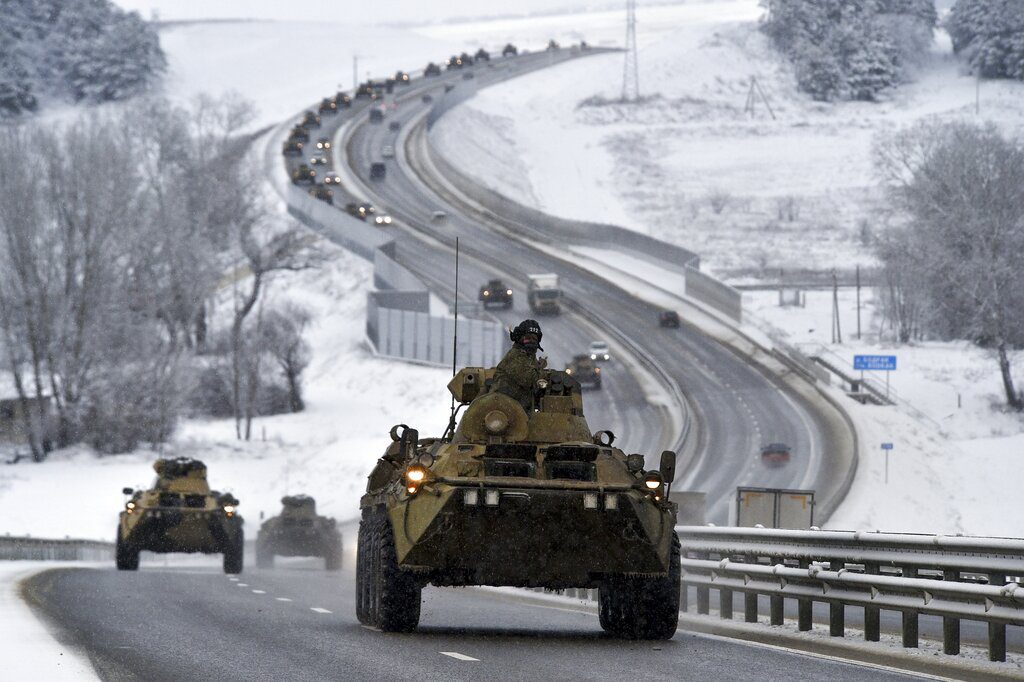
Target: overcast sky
{"x":363,"y":11}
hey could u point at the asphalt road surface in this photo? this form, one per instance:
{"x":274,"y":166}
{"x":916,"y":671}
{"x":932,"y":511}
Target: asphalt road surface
{"x":297,"y":622}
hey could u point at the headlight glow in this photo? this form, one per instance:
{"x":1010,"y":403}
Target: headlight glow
{"x":652,"y":483}
{"x":415,"y":474}
{"x":509,"y":292}
{"x":229,"y":509}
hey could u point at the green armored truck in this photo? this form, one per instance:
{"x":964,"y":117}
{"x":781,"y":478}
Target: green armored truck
{"x":299,"y":531}
{"x":179,"y":514}
{"x":525,"y":498}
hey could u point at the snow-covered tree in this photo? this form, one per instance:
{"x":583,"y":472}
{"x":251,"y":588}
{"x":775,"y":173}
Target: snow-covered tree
{"x":962,"y":189}
{"x":990,"y":35}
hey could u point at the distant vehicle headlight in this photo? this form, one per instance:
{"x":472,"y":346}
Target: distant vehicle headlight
{"x":229,"y":509}
{"x":509,"y":292}
{"x":593,"y":356}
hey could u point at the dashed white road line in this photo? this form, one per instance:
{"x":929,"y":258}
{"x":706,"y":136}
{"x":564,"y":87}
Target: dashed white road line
{"x":234,"y":580}
{"x":282,"y":598}
{"x":242,"y":584}
{"x":318,"y":609}
{"x":259,"y":591}
{"x":457,"y":655}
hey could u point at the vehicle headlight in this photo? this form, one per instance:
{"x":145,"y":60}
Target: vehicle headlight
{"x":593,"y":356}
{"x":130,"y":507}
{"x":568,"y":371}
{"x":415,"y":474}
{"x":509,"y":292}
{"x":487,"y":293}
{"x":229,"y":509}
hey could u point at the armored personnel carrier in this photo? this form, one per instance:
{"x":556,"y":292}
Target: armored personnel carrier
{"x":328,"y":106}
{"x":584,"y":369}
{"x":179,"y":514}
{"x":526,"y":498}
{"x":432,"y":69}
{"x":322,"y":193}
{"x":299,"y":531}
{"x":304,"y":174}
{"x":310,"y":120}
{"x":292,"y":148}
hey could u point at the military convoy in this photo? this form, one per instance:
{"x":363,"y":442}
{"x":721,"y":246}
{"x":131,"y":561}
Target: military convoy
{"x":299,"y":531}
{"x":510,"y":497}
{"x":304,"y":174}
{"x":322,"y":193}
{"x":584,"y":369}
{"x":495,"y":292}
{"x":310,"y":120}
{"x":292,"y":148}
{"x":179,"y":514}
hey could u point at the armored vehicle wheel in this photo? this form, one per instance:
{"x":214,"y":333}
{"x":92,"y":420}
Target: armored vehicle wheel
{"x":642,"y":608}
{"x":332,"y":557}
{"x":233,"y":553}
{"x":393,"y":603}
{"x":362,"y":560}
{"x":125,"y":555}
{"x":264,"y":556}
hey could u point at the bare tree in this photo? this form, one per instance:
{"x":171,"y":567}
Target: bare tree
{"x":962,"y":187}
{"x":285,"y":250}
{"x":283,"y":333}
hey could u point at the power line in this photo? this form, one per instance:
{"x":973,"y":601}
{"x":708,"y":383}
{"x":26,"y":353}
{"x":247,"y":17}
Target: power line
{"x":630,"y":70}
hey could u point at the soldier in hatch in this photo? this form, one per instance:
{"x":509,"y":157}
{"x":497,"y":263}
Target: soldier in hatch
{"x":517,"y":374}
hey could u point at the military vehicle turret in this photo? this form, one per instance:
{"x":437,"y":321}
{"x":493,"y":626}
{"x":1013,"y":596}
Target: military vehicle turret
{"x":299,"y":133}
{"x":526,"y":498}
{"x":509,"y":50}
{"x":553,"y":45}
{"x":432,"y":69}
{"x":328,"y":106}
{"x":179,"y":514}
{"x":304,"y":174}
{"x":310,"y":120}
{"x":322,"y":193}
{"x":482,"y":55}
{"x":299,"y":531}
{"x":292,"y":148}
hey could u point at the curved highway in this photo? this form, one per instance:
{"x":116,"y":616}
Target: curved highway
{"x":737,"y":406}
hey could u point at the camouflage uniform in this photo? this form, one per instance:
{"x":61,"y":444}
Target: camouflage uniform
{"x":517,"y":374}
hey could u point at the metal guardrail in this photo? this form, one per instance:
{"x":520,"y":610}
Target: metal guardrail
{"x":42,"y":549}
{"x":954,"y":577}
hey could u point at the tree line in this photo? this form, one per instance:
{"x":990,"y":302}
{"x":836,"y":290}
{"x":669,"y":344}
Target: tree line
{"x":77,"y":50}
{"x":953,"y":267}
{"x":135,"y":251}
{"x":856,"y":49}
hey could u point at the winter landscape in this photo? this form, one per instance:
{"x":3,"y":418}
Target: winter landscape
{"x":849,"y":176}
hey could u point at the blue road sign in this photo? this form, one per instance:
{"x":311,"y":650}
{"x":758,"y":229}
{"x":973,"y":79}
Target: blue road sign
{"x":887,"y":446}
{"x":877,"y":363}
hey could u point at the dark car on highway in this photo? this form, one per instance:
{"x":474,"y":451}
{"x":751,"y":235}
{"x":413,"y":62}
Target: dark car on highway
{"x":378,"y":170}
{"x":376,"y":115}
{"x":776,"y":454}
{"x":585,"y":371}
{"x":669,"y":318}
{"x":495,"y":292}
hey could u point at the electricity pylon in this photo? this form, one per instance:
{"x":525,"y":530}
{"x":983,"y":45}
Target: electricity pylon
{"x":630,"y":70}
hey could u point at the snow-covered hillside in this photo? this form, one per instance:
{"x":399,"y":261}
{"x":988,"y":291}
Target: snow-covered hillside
{"x":691,"y":164}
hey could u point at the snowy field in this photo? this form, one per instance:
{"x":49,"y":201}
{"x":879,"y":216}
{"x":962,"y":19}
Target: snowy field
{"x":689,"y":164}
{"x":939,"y":480}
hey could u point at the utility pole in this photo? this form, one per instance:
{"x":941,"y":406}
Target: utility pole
{"x":630,"y":69}
{"x":837,"y":332}
{"x":858,"y":303}
{"x":355,"y":72}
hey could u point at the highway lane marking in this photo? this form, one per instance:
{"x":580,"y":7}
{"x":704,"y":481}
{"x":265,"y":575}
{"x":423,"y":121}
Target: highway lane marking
{"x":282,"y":598}
{"x":243,"y":585}
{"x":234,"y":580}
{"x":318,"y":609}
{"x":457,"y":655}
{"x":259,"y":591}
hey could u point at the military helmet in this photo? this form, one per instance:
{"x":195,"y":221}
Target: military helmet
{"x":526,"y":327}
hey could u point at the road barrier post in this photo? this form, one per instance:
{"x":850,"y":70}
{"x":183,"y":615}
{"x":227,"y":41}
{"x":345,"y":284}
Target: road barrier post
{"x":725,"y":604}
{"x":837,"y":611}
{"x":872,"y":615}
{"x":997,"y":631}
{"x":776,"y":606}
{"x":910,"y":618}
{"x":951,"y":626}
{"x":804,"y":613}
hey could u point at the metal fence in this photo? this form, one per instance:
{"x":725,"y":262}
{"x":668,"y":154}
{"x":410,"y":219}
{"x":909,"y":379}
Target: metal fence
{"x":399,"y":321}
{"x":41,"y":549}
{"x":955,"y":578}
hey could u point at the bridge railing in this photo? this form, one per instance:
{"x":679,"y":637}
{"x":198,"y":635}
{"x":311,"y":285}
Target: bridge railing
{"x":43,"y":549}
{"x":956,"y":578}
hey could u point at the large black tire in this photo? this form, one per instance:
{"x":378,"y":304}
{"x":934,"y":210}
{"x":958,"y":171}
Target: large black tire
{"x":264,"y":555}
{"x":126,"y":556}
{"x":233,"y":553}
{"x":642,"y":608}
{"x":363,"y":550}
{"x":392,"y":596}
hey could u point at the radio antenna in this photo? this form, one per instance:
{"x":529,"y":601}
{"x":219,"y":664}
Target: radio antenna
{"x":455,"y":336}
{"x":455,"y":340}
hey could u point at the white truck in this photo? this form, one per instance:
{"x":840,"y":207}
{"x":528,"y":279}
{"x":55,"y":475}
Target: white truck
{"x":543,"y":294}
